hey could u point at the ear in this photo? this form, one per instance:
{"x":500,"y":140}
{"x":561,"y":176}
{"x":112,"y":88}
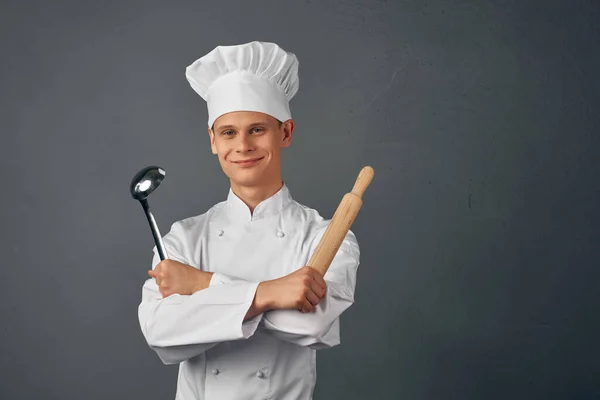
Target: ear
{"x":213,"y":147}
{"x":288,"y":130}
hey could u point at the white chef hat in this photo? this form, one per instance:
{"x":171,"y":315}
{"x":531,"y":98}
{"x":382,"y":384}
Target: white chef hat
{"x":255,"y":76}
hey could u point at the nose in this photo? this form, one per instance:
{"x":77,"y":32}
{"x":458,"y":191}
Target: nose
{"x":244,"y":144}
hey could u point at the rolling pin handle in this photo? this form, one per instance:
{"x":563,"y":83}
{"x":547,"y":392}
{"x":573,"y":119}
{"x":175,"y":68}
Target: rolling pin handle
{"x":362,"y":182}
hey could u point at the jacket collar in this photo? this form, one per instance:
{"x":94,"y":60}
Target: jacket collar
{"x":238,"y":211}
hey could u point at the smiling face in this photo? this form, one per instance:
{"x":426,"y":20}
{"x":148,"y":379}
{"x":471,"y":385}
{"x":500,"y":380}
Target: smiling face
{"x":248,"y":145}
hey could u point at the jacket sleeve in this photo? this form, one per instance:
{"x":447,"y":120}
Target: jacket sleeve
{"x":179,"y":327}
{"x":319,"y":329}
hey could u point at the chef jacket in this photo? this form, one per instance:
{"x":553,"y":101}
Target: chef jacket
{"x":273,"y":355}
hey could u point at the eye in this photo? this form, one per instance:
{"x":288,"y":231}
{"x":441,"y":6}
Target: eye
{"x":227,"y":133}
{"x":257,"y":130}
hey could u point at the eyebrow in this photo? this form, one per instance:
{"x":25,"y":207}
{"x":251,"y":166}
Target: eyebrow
{"x":252,"y":125}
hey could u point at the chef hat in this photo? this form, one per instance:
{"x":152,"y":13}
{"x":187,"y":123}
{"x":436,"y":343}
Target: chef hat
{"x":255,"y":76}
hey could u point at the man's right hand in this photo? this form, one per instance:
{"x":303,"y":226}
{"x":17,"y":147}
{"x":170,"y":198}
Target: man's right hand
{"x":301,"y":290}
{"x":175,"y":277}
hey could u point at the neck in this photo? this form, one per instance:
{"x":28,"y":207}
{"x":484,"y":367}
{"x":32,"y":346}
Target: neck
{"x":254,"y":195}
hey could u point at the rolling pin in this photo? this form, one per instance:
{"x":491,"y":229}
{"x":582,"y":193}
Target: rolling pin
{"x":340,"y":223}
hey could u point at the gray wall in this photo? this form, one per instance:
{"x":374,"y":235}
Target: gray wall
{"x":479,"y":274}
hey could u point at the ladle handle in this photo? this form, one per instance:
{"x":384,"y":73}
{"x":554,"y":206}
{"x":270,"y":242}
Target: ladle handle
{"x":155,"y":232}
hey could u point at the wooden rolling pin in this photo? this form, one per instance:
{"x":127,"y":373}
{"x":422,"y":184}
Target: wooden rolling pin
{"x":340,"y":223}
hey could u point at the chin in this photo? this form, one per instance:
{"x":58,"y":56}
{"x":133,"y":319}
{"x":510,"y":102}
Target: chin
{"x":247,"y":178}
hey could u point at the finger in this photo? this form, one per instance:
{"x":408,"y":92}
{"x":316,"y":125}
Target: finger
{"x":306,"y":307}
{"x":312,"y":298}
{"x":316,"y":275}
{"x":317,"y":289}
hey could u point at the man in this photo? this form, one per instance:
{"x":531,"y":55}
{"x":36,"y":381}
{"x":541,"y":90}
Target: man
{"x":235,"y":304}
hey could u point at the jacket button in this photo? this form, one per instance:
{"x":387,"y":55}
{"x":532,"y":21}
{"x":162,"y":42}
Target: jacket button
{"x":215,"y":371}
{"x":280,"y":234}
{"x":221,"y":233}
{"x":260,"y":374}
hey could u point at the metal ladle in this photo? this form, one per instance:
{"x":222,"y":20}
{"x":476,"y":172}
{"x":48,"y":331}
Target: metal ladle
{"x":143,"y":183}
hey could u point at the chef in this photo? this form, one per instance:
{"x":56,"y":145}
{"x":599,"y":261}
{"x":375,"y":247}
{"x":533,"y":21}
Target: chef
{"x":235,"y":304}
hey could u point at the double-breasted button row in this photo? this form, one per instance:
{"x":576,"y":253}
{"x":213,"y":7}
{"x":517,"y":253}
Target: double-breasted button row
{"x":259,"y":374}
{"x":280,"y":234}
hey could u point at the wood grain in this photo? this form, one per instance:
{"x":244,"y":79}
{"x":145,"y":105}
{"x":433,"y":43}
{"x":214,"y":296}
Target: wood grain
{"x":341,"y":222}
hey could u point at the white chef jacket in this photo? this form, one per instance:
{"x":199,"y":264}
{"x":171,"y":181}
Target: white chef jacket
{"x":272,"y":356}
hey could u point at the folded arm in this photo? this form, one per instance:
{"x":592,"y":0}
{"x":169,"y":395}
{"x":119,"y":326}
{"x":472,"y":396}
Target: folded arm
{"x":178,"y":327}
{"x":319,"y":328}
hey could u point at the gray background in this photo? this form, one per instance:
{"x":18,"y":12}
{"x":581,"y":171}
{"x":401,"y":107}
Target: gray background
{"x":479,"y":273}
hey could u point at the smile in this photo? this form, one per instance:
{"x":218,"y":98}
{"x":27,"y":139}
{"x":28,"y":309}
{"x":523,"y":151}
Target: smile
{"x":248,"y":163}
